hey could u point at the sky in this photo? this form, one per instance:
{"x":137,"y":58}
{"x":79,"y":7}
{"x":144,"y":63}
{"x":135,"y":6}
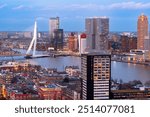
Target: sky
{"x":19,"y":15}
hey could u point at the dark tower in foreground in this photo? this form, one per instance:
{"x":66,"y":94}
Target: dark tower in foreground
{"x":96,"y":74}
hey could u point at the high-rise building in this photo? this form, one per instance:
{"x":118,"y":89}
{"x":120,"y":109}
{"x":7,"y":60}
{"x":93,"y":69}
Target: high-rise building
{"x":147,"y":43}
{"x":142,"y":30}
{"x":72,"y":42}
{"x":53,"y":24}
{"x":82,"y":43}
{"x":132,"y":42}
{"x":58,"y":38}
{"x":97,"y":30}
{"x":128,"y":43}
{"x":96,"y":74}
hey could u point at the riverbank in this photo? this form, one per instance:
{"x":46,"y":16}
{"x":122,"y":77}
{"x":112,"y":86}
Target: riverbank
{"x":119,"y":69}
{"x":11,"y":55}
{"x":133,"y":62}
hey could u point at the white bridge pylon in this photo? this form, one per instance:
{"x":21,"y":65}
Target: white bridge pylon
{"x":34,"y":41}
{"x":33,"y":44}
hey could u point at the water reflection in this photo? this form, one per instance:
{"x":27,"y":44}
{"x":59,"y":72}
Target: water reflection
{"x":128,"y":72}
{"x":125,"y":71}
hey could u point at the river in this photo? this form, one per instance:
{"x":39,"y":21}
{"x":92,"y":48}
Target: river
{"x":125,"y":71}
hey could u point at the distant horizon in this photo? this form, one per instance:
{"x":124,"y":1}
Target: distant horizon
{"x":20,"y":14}
{"x":73,"y":31}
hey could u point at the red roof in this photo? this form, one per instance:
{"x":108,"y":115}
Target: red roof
{"x":83,"y":35}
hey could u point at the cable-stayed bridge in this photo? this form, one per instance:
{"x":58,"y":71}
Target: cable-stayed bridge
{"x":33,"y":44}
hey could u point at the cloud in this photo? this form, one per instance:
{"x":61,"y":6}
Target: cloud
{"x":21,"y":7}
{"x":130,"y":5}
{"x":42,"y":18}
{"x":18,"y":7}
{"x":3,"y":5}
{"x":71,"y":7}
{"x":121,"y":5}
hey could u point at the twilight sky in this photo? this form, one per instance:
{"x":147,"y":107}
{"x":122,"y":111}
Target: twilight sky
{"x":19,"y":15}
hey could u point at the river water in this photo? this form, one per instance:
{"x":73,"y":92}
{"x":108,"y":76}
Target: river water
{"x":125,"y":71}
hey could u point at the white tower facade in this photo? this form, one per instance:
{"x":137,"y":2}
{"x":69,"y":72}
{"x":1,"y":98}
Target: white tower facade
{"x":82,"y":43}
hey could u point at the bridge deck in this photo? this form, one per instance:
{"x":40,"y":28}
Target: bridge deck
{"x":37,"y":56}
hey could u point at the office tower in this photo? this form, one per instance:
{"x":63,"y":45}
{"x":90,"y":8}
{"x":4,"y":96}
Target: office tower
{"x":142,"y":30}
{"x":96,"y":74}
{"x":132,"y":42}
{"x":147,"y":43}
{"x":97,"y":30}
{"x":128,"y":43}
{"x":53,"y":24}
{"x":72,"y":42}
{"x":82,"y":43}
{"x":58,"y":39}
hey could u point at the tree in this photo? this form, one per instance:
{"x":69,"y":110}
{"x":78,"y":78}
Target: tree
{"x":66,"y":80}
{"x":135,"y":83}
{"x":115,"y":45}
{"x":120,"y":81}
{"x":147,"y":83}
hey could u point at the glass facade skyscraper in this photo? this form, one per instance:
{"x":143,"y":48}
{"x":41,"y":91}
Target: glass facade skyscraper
{"x":97,"y":30}
{"x":53,"y":25}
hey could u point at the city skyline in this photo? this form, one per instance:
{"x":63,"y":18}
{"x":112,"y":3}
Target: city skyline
{"x":19,"y":15}
{"x":89,"y":65}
